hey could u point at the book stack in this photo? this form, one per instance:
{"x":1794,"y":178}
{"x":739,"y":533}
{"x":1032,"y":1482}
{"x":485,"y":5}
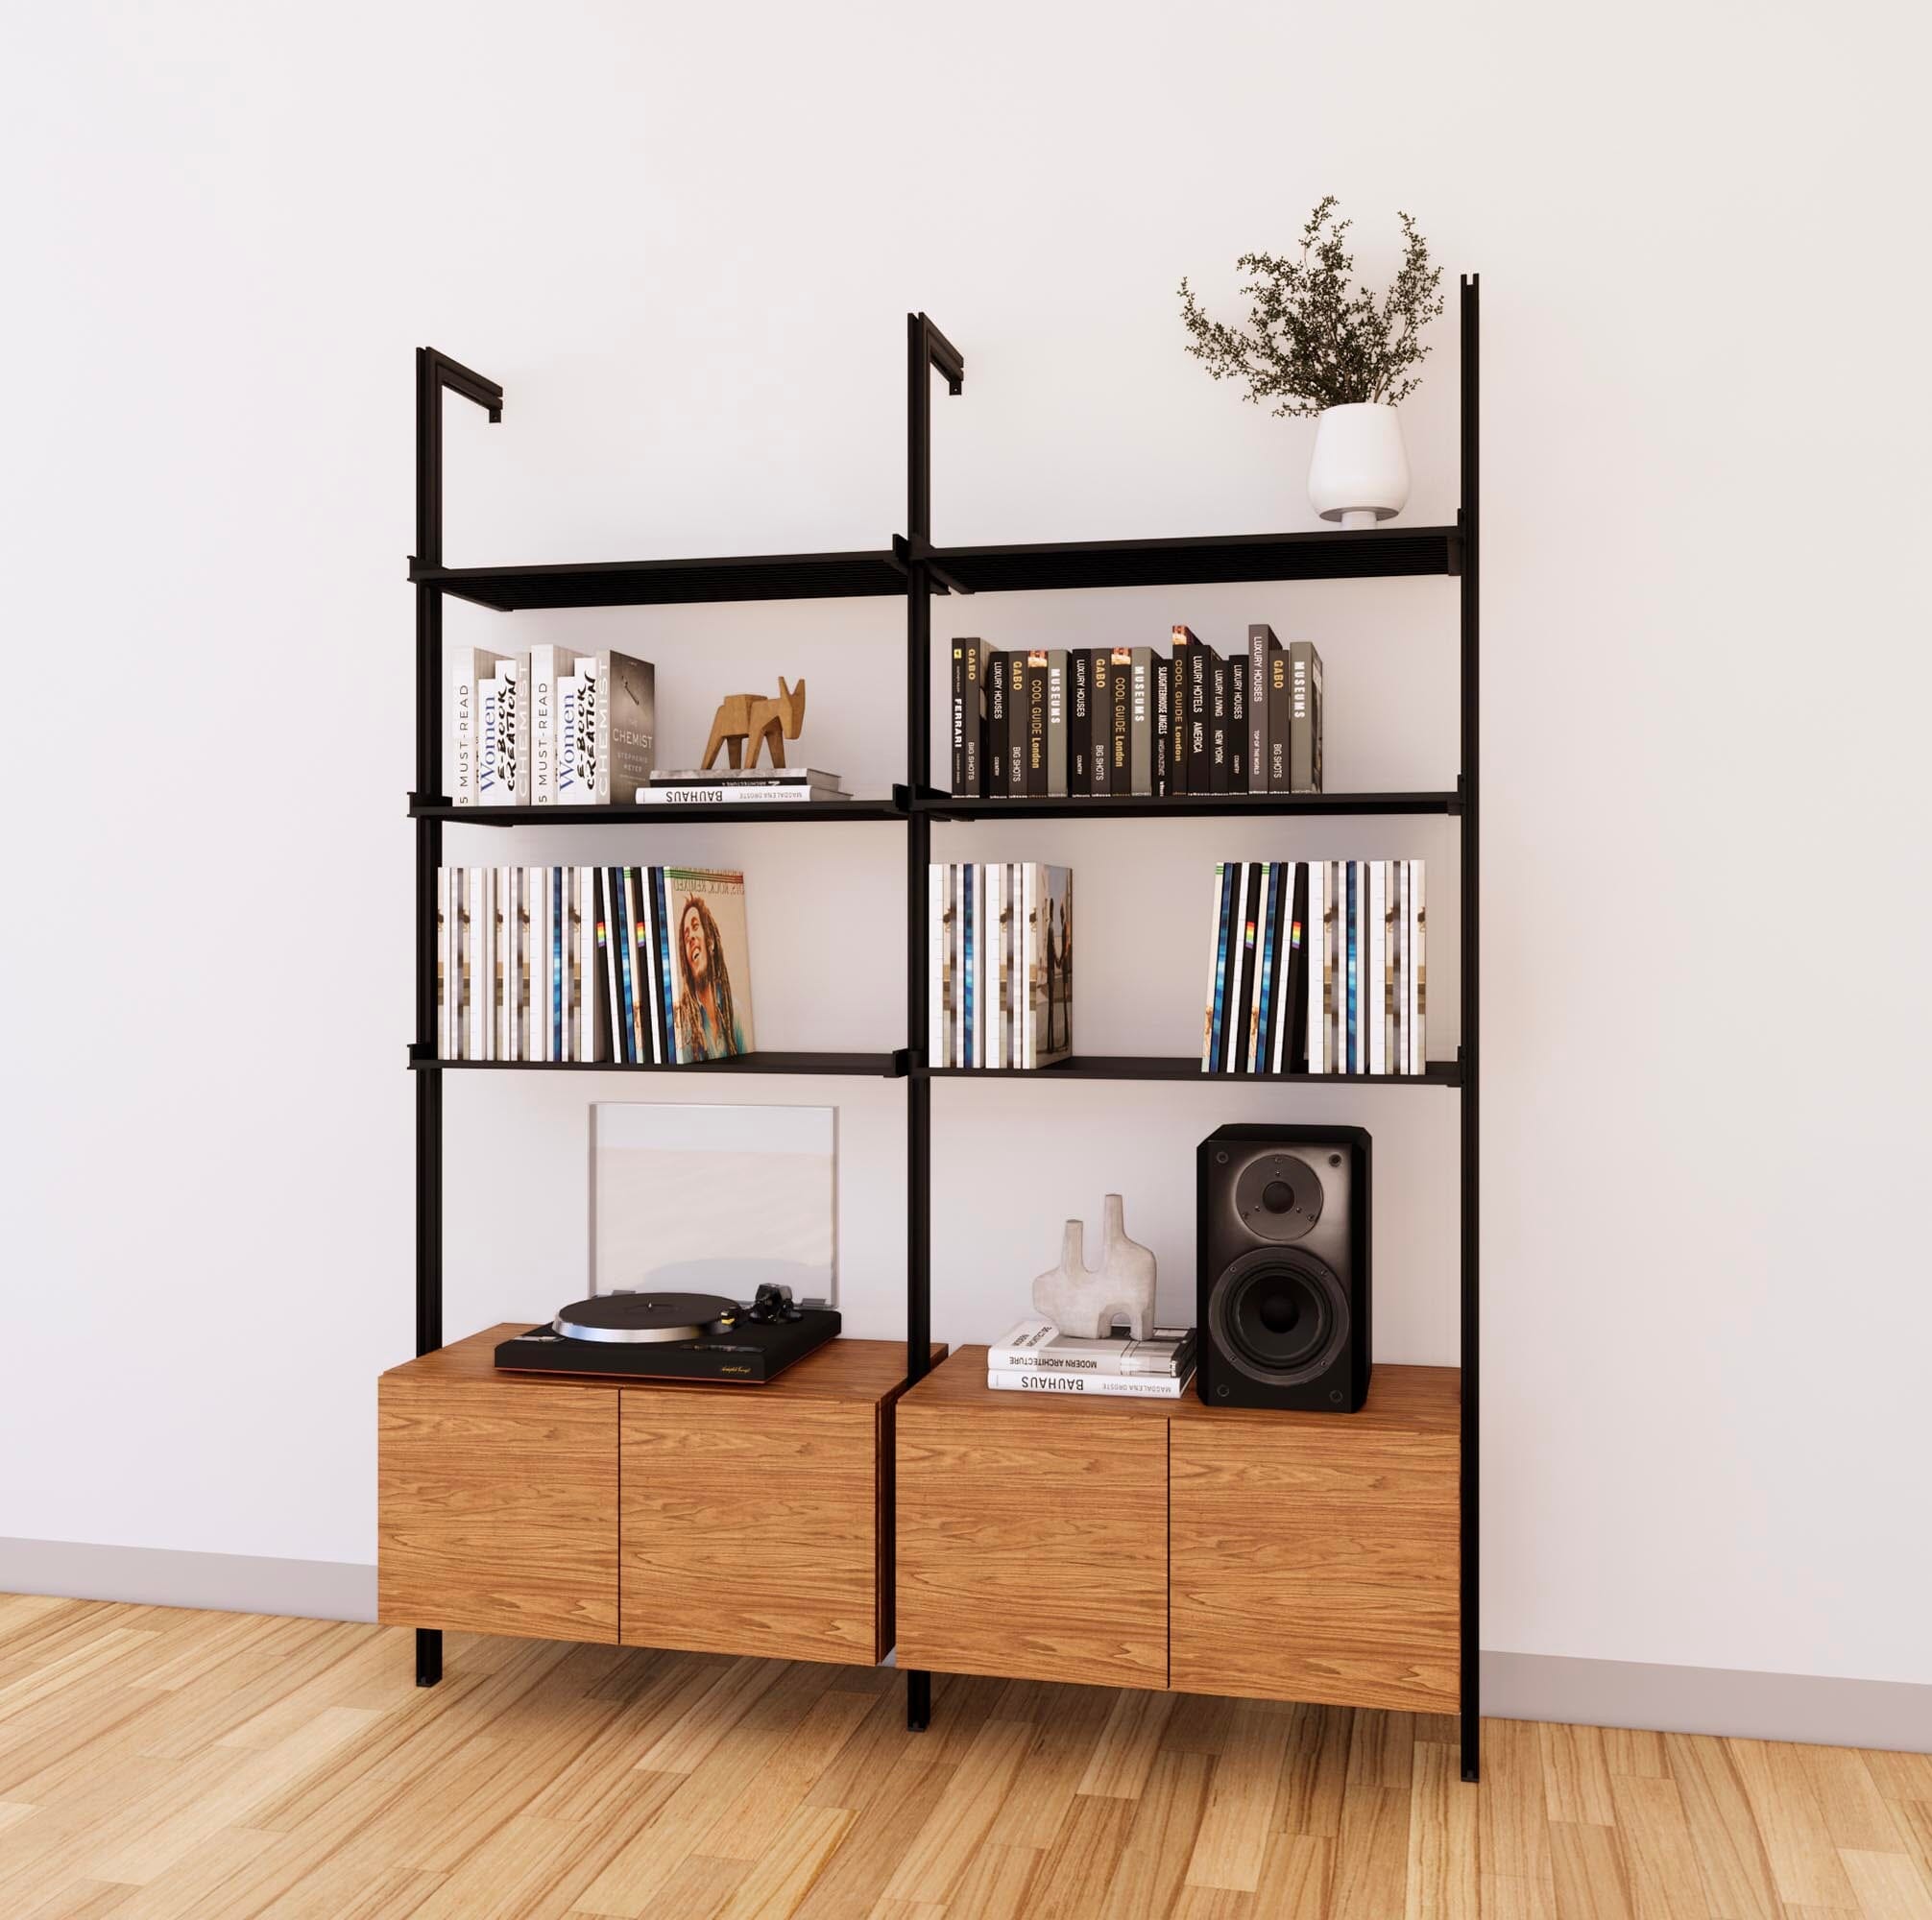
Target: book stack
{"x":1000,"y":991}
{"x":548,"y":728}
{"x":795,"y":786}
{"x":1130,"y":722}
{"x":1036,"y":1357}
{"x":1317,"y":966}
{"x":633,"y":966}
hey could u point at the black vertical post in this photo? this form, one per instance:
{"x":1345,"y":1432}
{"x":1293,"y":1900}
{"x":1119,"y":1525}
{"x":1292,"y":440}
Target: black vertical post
{"x":1471,"y":1636}
{"x":926,"y":349}
{"x":433,"y":373}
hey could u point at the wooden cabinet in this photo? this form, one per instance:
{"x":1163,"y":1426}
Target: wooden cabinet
{"x":497,"y":1506}
{"x":735,"y":1520}
{"x":1167,"y":1544}
{"x":1032,"y":1541}
{"x":759,"y":1533}
{"x":1314,"y":1555}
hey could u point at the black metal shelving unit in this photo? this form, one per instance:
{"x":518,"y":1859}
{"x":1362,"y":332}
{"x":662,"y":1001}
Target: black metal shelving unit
{"x":914,"y":567}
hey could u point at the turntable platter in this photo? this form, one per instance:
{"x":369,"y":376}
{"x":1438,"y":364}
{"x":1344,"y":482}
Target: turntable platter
{"x":639,"y":1319}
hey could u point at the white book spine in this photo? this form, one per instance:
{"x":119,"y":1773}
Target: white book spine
{"x":1031,"y":878}
{"x":999,"y":973}
{"x":1312,"y":953}
{"x":982,"y":946}
{"x":1375,"y":997}
{"x":529,"y":888}
{"x":474,"y":950}
{"x":576,"y":739}
{"x":547,"y":667}
{"x":935,"y":930}
{"x":1234,"y":1015}
{"x":1101,"y":1366}
{"x":469,"y":668}
{"x":1418,"y":1053}
{"x":735,"y":796}
{"x":1112,"y":1386}
{"x":1214,"y":958}
{"x":583,"y":969}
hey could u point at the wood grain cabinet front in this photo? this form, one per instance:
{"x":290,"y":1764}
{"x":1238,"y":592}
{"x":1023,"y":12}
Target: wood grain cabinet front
{"x":1033,"y":1539}
{"x":1314,"y":1555}
{"x":752,"y":1527}
{"x":496,"y":1507}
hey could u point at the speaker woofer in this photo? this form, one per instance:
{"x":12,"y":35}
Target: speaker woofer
{"x":1280,"y":1315}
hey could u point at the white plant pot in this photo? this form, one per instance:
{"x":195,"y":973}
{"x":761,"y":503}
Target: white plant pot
{"x":1359,"y":472}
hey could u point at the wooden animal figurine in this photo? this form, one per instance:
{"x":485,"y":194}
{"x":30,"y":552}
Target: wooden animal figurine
{"x":1084,"y":1302}
{"x":759,"y":720}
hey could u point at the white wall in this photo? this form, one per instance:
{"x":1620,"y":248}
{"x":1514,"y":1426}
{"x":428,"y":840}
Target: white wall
{"x":684,"y":241}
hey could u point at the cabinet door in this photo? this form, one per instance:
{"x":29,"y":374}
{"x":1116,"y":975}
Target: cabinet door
{"x":497,"y":1508}
{"x":1314,"y":1559}
{"x":751,"y":1524}
{"x":1033,"y":1542}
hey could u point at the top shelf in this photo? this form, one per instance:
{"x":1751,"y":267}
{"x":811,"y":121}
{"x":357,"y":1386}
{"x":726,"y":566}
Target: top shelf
{"x":1377,"y":553}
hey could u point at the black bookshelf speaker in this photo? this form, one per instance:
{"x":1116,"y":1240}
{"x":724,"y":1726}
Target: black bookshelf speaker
{"x":1282,"y":1250}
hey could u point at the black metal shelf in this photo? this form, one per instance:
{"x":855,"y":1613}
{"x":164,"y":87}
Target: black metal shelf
{"x":630,"y":814}
{"x":853,"y":1066}
{"x":914,"y":570}
{"x":655,"y":582}
{"x":1189,"y":806}
{"x":1371,"y":553}
{"x":1185,"y":1067}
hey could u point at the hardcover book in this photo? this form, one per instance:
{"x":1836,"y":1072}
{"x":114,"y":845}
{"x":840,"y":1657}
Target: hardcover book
{"x":1218,"y":727}
{"x":1304,"y":734}
{"x":709,"y":963}
{"x":469,"y":668}
{"x":1277,"y":720}
{"x":1119,"y":683}
{"x":548,"y":666}
{"x":1101,"y":753}
{"x":1101,"y":1387}
{"x":1236,"y":725}
{"x":1036,"y":724}
{"x":1261,"y":643}
{"x":1164,"y":729}
{"x":1050,"y":964}
{"x":1040,"y":1346}
{"x":1200,"y":718}
{"x":1079,"y":721}
{"x":1016,"y":726}
{"x":1180,"y":673}
{"x":624,"y":702}
{"x":996,"y":727}
{"x":1141,"y":722}
{"x":1056,"y":723}
{"x":969,"y":718}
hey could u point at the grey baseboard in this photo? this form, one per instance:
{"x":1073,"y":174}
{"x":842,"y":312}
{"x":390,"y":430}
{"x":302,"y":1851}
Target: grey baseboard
{"x":158,"y":1576}
{"x":1812,"y":1708}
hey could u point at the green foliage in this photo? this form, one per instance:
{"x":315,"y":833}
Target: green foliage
{"x":1315,"y":339}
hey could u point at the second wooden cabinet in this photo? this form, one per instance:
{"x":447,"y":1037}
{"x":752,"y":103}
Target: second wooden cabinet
{"x":1144,"y":1543}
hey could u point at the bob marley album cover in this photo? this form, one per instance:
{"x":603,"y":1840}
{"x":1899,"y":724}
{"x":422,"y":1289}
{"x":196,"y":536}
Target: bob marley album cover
{"x":708,"y":956}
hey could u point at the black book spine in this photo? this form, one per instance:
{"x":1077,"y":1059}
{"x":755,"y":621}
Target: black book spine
{"x":1080,"y":722}
{"x":1017,"y":725}
{"x":958,"y":781}
{"x":1056,"y":722}
{"x":1260,"y":639}
{"x":1236,"y":725}
{"x":1216,"y":724}
{"x":1102,"y":742}
{"x":1304,"y":739}
{"x":1119,"y":764}
{"x":974,"y":736}
{"x":1164,"y":727}
{"x":1036,"y":728}
{"x":1277,"y":720}
{"x":1200,"y":765}
{"x":996,"y":726}
{"x":1141,"y":718}
{"x":1301,"y":957}
{"x":1177,"y":719}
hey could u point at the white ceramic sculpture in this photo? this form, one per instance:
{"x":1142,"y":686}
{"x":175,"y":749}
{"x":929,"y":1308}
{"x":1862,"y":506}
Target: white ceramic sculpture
{"x":1084,"y":1301}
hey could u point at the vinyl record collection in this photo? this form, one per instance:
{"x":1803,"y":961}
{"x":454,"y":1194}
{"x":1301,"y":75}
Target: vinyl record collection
{"x":1034,"y":1357}
{"x":1001,"y":956}
{"x":1121,"y":722}
{"x":634,"y":966}
{"x":1317,"y":966}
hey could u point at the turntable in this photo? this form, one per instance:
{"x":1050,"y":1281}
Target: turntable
{"x":691,"y":1336}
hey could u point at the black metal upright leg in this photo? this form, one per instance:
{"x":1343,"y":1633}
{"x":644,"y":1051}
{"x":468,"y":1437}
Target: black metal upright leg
{"x":434,"y":371}
{"x":927,"y":350}
{"x":1471,"y":1638}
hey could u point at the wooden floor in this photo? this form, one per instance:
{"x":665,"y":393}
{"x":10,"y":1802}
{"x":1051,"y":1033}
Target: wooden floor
{"x":203,"y":1766}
